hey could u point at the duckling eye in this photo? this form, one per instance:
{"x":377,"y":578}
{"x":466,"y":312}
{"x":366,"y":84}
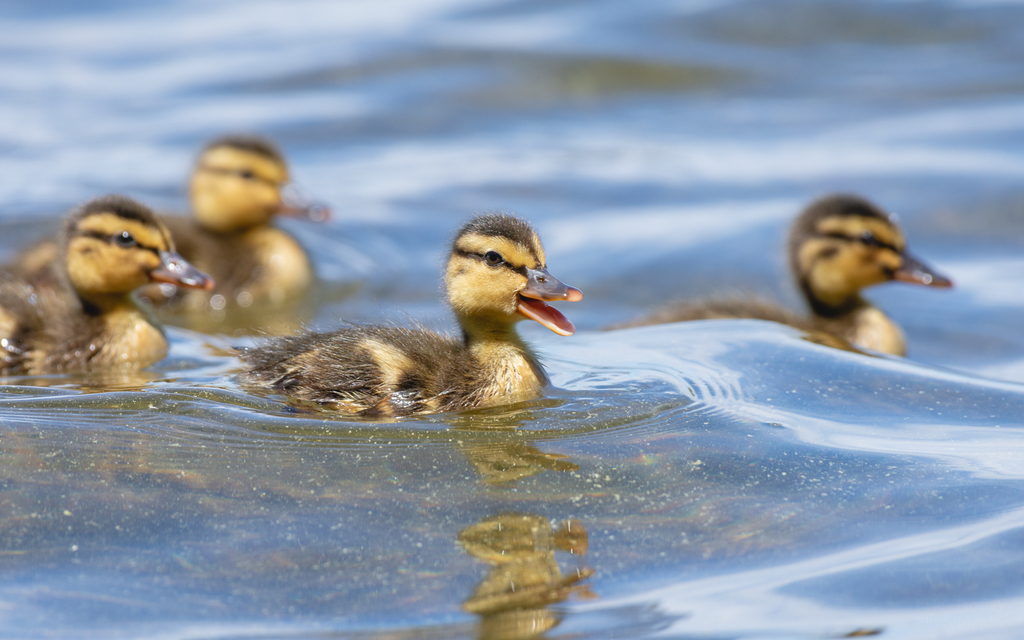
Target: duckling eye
{"x":247,"y":174}
{"x":493,"y":258}
{"x":870,"y":240}
{"x":124,"y":239}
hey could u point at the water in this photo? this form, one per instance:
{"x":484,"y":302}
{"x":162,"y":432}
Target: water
{"x":718,"y":479}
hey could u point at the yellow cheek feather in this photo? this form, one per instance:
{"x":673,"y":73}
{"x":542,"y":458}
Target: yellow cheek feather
{"x":107,"y":270}
{"x":475,"y":288}
{"x":224,"y":200}
{"x":819,"y":261}
{"x":864,"y":266}
{"x":837,"y":268}
{"x":98,"y":266}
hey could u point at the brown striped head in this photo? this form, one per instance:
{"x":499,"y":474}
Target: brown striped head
{"x":841,"y":244}
{"x":113,"y":245}
{"x":238,"y":183}
{"x":497,"y":275}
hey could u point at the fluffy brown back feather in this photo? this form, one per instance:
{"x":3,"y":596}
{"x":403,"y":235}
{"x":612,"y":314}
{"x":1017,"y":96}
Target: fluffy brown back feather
{"x":335,"y":369}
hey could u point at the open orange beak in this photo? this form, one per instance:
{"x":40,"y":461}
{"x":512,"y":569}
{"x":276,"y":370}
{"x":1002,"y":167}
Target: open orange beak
{"x":916,"y":272}
{"x":174,"y":269}
{"x":541,"y":286}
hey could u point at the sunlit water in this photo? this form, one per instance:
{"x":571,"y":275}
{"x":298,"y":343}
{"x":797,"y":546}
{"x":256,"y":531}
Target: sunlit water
{"x":718,"y":479}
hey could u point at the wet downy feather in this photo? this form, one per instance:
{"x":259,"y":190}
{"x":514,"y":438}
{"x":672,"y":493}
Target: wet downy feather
{"x":496,"y":276}
{"x":838,"y":246}
{"x":238,"y":185}
{"x":77,"y":314}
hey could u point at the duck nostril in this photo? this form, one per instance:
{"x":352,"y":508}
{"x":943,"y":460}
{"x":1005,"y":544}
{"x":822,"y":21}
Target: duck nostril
{"x":175,"y":265}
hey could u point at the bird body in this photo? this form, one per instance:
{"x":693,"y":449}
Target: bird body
{"x":77,"y":314}
{"x":262,"y":265}
{"x":496,"y":276}
{"x":390,"y":370}
{"x":866,"y":327}
{"x":236,"y":189}
{"x":838,"y":246}
{"x":50,"y":333}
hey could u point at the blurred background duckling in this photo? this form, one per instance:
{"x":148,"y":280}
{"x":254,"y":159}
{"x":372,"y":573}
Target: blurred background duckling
{"x":838,"y":246}
{"x":238,"y":185}
{"x":76,"y":313}
{"x":496,"y":276}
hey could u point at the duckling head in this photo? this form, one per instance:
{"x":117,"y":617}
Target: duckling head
{"x":841,"y":244}
{"x":497,"y":275}
{"x":239,"y":183}
{"x":113,"y":245}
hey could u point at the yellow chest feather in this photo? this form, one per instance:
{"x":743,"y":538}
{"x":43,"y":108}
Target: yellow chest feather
{"x":126,"y":340}
{"x":284,"y":267}
{"x":510,"y":375}
{"x":872,"y":329}
{"x":133,"y":339}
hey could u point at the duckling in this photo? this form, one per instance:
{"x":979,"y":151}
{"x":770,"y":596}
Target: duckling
{"x":496,"y":276}
{"x":839,"y":245}
{"x":78,"y":315}
{"x":236,"y":189}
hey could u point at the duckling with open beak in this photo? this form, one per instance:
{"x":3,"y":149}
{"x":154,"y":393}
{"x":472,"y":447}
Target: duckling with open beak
{"x":496,"y":276}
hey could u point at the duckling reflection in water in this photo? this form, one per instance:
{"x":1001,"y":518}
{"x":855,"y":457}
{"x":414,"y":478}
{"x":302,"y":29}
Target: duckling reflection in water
{"x":513,"y":600}
{"x":492,"y":442}
{"x":78,"y":314}
{"x":839,"y":245}
{"x":496,"y":276}
{"x":505,"y":463}
{"x":236,"y":189}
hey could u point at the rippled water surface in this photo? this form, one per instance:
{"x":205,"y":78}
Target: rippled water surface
{"x":723,"y":479}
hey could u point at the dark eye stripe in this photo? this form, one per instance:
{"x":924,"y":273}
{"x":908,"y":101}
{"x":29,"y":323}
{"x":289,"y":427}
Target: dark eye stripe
{"x":109,"y":239}
{"x":245,"y":174}
{"x":521,"y":270}
{"x":873,"y":242}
